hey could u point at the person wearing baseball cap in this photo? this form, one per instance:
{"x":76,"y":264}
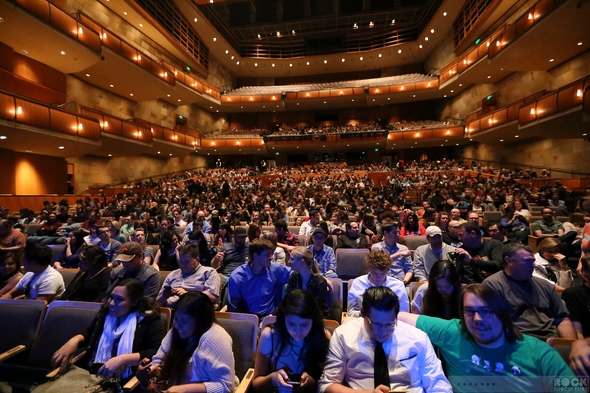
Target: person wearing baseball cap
{"x":323,"y":254}
{"x":133,"y":266}
{"x":425,"y":256}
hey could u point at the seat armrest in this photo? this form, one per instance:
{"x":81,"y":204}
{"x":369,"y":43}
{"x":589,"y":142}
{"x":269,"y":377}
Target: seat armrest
{"x":131,"y":385}
{"x":52,"y":374}
{"x":11,"y":352}
{"x":246,"y":382}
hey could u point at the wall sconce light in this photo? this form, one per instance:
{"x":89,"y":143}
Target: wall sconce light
{"x":80,"y":31}
{"x":104,"y":36}
{"x":19,"y":110}
{"x":579,"y":93}
{"x":532,"y":111}
{"x":80,"y":126}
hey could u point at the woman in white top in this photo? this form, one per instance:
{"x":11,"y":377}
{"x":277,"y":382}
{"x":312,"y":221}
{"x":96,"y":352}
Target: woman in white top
{"x":519,"y":209}
{"x":196,"y":354}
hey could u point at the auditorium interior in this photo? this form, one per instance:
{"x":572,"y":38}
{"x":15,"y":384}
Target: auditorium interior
{"x":110,"y":91}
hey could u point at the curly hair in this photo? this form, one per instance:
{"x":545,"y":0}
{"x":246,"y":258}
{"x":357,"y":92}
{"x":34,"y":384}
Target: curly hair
{"x":378,"y":259}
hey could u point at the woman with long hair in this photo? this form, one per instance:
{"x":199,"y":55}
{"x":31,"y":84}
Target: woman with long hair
{"x":166,"y":258}
{"x":412,"y":227}
{"x":224,"y":235}
{"x":10,"y":274}
{"x":306,"y":275}
{"x":196,"y":354}
{"x":442,"y":221}
{"x":127,"y":329}
{"x":294,"y":348}
{"x":254,"y":231}
{"x":440,"y":296}
{"x":551,"y":264}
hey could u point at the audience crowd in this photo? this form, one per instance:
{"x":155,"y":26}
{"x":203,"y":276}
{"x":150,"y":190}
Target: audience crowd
{"x":493,"y":267}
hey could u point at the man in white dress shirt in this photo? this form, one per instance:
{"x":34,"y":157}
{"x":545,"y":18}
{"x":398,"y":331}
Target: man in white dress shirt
{"x":377,"y":353}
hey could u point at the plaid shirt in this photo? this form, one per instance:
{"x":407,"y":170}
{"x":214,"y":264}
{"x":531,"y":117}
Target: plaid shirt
{"x":290,"y":239}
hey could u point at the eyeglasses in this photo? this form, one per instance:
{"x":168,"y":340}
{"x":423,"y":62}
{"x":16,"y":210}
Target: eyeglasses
{"x":483,"y":312}
{"x":382,"y":326}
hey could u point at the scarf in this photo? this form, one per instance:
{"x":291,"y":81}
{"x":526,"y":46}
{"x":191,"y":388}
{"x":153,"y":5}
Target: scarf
{"x":125,"y":333}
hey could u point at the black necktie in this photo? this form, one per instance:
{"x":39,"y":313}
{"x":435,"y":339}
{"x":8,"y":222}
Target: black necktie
{"x":381,"y":375}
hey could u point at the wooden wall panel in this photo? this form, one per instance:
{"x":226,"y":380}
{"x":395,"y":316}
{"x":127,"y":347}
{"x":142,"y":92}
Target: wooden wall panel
{"x":7,"y":165}
{"x":36,"y":174}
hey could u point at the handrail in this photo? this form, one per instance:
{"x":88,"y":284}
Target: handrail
{"x":116,"y":126}
{"x":507,"y":165}
{"x":125,"y":50}
{"x":63,"y":21}
{"x":499,"y":116}
{"x":566,"y":97}
{"x":499,"y":39}
{"x":530,"y":18}
{"x":37,"y":114}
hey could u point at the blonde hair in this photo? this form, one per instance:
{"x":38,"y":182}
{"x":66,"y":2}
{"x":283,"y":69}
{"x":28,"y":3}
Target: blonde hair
{"x":305,"y":254}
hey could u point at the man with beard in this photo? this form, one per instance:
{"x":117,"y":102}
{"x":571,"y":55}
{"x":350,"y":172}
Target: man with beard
{"x":485,"y":352}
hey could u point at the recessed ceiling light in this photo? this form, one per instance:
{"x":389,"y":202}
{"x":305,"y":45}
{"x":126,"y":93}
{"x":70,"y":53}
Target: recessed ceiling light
{"x":2,"y":137}
{"x":380,"y":55}
{"x":273,"y":64}
{"x":168,"y":95}
{"x":61,"y":147}
{"x":444,"y":14}
{"x":393,"y":21}
{"x":460,"y":84}
{"x":361,"y":59}
{"x":258,"y":36}
{"x":432,"y":31}
{"x":170,"y":154}
{"x":325,"y":61}
{"x":353,"y":100}
{"x":214,"y":38}
{"x":1,"y":20}
{"x":325,"y":101}
{"x":112,"y":85}
{"x":141,"y":25}
{"x":25,"y":52}
{"x":297,"y":103}
{"x":355,"y":26}
{"x":226,"y":51}
{"x":131,"y":94}
{"x":217,"y":111}
{"x":489,"y":76}
{"x":551,"y":60}
{"x":293,"y":32}
{"x":63,"y":53}
{"x":195,"y":20}
{"x":308,"y":63}
{"x":371,"y":24}
{"x":88,"y":75}
{"x":452,"y":91}
{"x":501,"y":140}
{"x":580,"y":43}
{"x":290,"y":64}
{"x":445,"y":96}
{"x":420,"y":46}
{"x":343,"y":60}
{"x":237,"y":63}
{"x":110,"y":155}
{"x":516,"y":136}
{"x":179,"y":100}
{"x":278,"y":33}
{"x":425,"y":38}
{"x":399,"y":51}
{"x":232,"y":57}
{"x":255,"y":64}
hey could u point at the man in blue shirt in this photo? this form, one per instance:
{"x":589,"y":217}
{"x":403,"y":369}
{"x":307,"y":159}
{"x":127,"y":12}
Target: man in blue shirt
{"x":401,"y":256}
{"x":256,"y":287}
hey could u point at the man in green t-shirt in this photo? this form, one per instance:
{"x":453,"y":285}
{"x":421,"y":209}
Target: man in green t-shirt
{"x":485,"y":352}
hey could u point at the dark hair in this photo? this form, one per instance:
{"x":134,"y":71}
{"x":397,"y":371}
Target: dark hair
{"x":381,"y":299}
{"x":252,"y":228}
{"x":258,"y":246}
{"x":512,"y":248}
{"x":281,"y":224}
{"x":302,"y":304}
{"x":135,"y":291}
{"x":388,"y":225}
{"x":16,"y":258}
{"x":416,"y":226}
{"x":94,"y":255}
{"x":189,"y":249}
{"x":432,"y":303}
{"x":496,"y":304}
{"x":166,"y":241}
{"x":585,"y":260}
{"x":41,"y":255}
{"x":198,"y":306}
{"x":471,"y":227}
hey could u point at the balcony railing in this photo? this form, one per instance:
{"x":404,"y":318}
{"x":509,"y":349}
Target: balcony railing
{"x":39,"y":115}
{"x":64,"y":22}
{"x":116,"y":126}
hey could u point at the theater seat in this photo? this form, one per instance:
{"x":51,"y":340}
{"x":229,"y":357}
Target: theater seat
{"x":350,"y":262}
{"x":21,"y":321}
